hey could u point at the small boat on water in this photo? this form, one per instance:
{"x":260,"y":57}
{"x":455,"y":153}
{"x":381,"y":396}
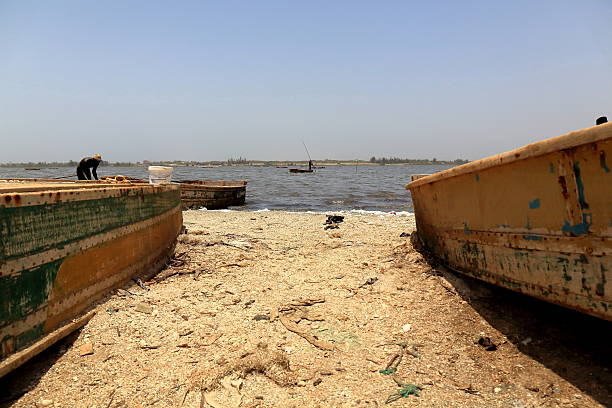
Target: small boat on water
{"x":31,"y":168}
{"x":536,"y":220}
{"x":310,"y":164}
{"x":64,"y":245}
{"x":212,"y":195}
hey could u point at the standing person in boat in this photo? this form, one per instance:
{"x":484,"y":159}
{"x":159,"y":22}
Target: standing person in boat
{"x":601,"y":120}
{"x":87,"y":163}
{"x":309,"y":164}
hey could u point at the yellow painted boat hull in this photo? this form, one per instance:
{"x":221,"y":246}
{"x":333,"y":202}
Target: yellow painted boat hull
{"x":537,"y":220}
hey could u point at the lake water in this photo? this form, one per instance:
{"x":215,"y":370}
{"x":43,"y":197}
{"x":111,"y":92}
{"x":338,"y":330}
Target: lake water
{"x":334,"y":188}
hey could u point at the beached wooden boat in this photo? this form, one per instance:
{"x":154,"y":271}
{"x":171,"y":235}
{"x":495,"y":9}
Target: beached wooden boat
{"x":65,"y":245}
{"x":537,"y":220}
{"x":300,"y":171}
{"x":212,"y":195}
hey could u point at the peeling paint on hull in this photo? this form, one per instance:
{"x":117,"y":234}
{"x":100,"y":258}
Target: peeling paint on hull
{"x":65,"y":245}
{"x":536,"y":221}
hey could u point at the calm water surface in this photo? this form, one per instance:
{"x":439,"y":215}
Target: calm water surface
{"x":334,"y":188}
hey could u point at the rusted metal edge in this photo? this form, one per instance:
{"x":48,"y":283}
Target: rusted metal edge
{"x":570,"y":140}
{"x":17,"y":359}
{"x":195,"y":187}
{"x":213,"y":183}
{"x":46,"y":195}
{"x":493,"y":279}
{"x":533,"y":240}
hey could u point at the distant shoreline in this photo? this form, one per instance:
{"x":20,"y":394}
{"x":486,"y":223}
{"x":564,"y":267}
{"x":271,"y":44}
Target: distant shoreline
{"x":247,"y":163}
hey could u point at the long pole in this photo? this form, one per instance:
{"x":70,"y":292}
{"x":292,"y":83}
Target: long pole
{"x":306,"y":150}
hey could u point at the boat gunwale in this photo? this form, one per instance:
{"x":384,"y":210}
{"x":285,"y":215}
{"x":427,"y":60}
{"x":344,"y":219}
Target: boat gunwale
{"x":212,"y":183}
{"x":38,"y":189}
{"x":569,"y":140}
{"x":213,"y":188}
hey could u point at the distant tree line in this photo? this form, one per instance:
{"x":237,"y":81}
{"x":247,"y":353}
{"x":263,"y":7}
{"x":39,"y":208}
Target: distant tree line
{"x":232,"y":162}
{"x":397,"y":160}
{"x":241,"y":161}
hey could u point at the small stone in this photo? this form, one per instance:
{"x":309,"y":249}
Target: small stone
{"x":301,"y":383}
{"x":86,"y":349}
{"x":526,"y":341}
{"x":141,"y":307}
{"x":261,"y":317}
{"x":185,"y":332}
{"x":259,"y":397}
{"x":407,"y":327}
{"x":326,"y":372}
{"x":46,"y":403}
{"x":317,"y":382}
{"x":497,"y":390}
{"x":577,"y":396}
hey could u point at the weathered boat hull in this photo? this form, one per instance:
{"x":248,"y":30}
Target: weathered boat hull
{"x":212,"y":195}
{"x":300,"y":171}
{"x":537,"y":220}
{"x":65,"y":245}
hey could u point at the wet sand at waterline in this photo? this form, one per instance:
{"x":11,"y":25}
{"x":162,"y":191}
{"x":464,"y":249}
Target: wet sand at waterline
{"x":269,"y":309}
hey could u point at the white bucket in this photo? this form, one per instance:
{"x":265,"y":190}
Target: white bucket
{"x":160,"y":174}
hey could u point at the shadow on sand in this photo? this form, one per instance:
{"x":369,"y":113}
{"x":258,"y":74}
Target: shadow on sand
{"x":14,"y":385}
{"x":574,"y":345}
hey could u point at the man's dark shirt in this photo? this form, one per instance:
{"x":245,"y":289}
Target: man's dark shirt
{"x":86,"y":164}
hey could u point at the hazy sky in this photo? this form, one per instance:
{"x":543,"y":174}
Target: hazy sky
{"x":203,"y":80}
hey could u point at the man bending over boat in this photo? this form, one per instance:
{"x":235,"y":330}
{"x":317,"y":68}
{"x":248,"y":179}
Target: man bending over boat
{"x":87,"y":163}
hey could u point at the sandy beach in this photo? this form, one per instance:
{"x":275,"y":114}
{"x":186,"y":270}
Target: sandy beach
{"x":271,"y":309}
